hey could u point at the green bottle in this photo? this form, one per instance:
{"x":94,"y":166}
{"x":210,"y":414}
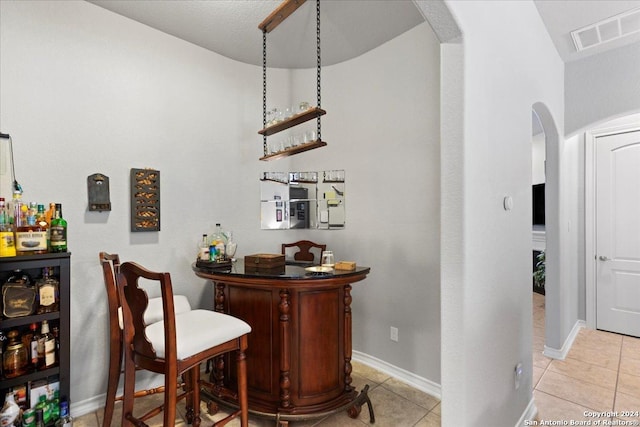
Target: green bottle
{"x":58,"y":231}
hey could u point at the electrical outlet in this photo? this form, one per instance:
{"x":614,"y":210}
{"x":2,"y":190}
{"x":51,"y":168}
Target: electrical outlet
{"x":517,"y":375}
{"x":394,"y":334}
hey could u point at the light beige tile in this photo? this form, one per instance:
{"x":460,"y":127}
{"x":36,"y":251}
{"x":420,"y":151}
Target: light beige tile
{"x":412,"y":394}
{"x":630,"y":348}
{"x":540,"y":360}
{"x":630,"y":366}
{"x":578,"y":369}
{"x":538,"y":343}
{"x":537,"y":374}
{"x":88,"y":420}
{"x":371,"y":374}
{"x":552,"y":408}
{"x":596,"y":356}
{"x":626,"y":402}
{"x":437,"y":410}
{"x":430,"y":420}
{"x":338,"y":420}
{"x":629,"y":384}
{"x":394,"y":410}
{"x":605,"y":341}
{"x":580,"y":392}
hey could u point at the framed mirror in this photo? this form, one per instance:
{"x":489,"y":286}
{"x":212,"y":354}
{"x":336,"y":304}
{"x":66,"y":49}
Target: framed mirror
{"x":291,"y":200}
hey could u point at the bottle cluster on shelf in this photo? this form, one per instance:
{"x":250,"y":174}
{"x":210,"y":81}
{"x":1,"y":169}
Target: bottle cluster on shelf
{"x":36,"y":404}
{"x":28,"y":229}
{"x":24,"y":296}
{"x":27,"y":349}
{"x":218,"y":246}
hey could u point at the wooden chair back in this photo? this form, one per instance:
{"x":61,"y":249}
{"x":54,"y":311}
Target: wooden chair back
{"x":304,"y":250}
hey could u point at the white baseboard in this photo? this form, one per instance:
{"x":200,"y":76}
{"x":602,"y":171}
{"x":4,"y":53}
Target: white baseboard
{"x":95,"y":403}
{"x":529,"y":414}
{"x":415,"y":381}
{"x":87,"y":406}
{"x":561,"y":354}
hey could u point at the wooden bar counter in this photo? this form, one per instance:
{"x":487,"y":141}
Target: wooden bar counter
{"x":299,"y":355}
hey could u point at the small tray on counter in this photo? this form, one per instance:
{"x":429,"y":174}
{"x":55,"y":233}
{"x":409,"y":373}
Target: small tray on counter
{"x":213,"y":265}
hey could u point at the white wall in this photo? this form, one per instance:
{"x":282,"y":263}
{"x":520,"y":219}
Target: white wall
{"x":89,"y":91}
{"x":537,"y":159}
{"x":486,"y":307}
{"x":601,"y":87}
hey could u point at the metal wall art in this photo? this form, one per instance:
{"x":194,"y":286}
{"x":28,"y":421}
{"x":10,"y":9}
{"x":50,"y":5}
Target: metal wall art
{"x":145,"y":200}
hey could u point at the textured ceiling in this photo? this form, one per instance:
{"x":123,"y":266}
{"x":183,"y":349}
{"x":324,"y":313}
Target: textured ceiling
{"x":349,"y":28}
{"x":561,"y":17}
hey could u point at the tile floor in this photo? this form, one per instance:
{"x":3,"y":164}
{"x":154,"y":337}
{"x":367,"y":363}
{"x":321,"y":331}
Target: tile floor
{"x":601,"y":373}
{"x":395,"y":404}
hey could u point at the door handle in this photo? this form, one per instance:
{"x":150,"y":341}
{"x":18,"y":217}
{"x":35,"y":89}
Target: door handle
{"x":603,"y":258}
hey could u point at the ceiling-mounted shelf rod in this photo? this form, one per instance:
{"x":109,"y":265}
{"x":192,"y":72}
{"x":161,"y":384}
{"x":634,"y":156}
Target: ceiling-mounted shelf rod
{"x":281,"y":13}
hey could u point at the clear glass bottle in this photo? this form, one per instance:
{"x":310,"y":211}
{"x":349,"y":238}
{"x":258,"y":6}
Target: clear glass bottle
{"x":217,"y":245}
{"x":48,"y":295}
{"x":58,"y":231}
{"x":203,"y":248}
{"x":7,"y":240}
{"x":15,"y":357}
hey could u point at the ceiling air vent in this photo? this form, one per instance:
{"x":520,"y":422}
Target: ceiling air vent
{"x":607,"y":30}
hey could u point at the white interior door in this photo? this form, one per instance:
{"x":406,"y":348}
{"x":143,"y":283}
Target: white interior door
{"x":618,"y":233}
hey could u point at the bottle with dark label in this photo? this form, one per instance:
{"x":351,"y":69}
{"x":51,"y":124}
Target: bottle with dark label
{"x":58,"y":231}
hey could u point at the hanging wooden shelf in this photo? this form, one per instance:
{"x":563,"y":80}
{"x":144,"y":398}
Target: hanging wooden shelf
{"x":295,"y":120}
{"x":294,"y":150}
{"x":281,"y":13}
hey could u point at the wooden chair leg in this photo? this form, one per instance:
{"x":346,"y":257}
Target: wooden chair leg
{"x":115,"y":367}
{"x":195,"y":394}
{"x":170,"y":394}
{"x":129,"y":390}
{"x":242,"y":387}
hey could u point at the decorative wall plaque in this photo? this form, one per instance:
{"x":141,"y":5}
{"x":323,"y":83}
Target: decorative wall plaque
{"x":145,"y":200}
{"x":98,"y":190}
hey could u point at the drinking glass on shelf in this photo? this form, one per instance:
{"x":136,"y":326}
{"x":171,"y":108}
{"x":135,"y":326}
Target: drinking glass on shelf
{"x":231,"y":247}
{"x":327,"y":259}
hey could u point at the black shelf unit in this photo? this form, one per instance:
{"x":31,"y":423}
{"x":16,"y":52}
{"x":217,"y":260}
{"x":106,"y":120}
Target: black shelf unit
{"x":33,"y":264}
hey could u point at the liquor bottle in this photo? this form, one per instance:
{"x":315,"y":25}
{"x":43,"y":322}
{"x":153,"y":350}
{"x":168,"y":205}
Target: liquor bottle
{"x":47,"y":287}
{"x":16,"y":206}
{"x":31,"y":238}
{"x":18,"y":295}
{"x":58,"y":233}
{"x":40,"y":417}
{"x":7,"y":242}
{"x":46,"y":347}
{"x":2,"y":339}
{"x":15,"y":357}
{"x":203,"y":249}
{"x":217,"y":245}
{"x":65,"y":419}
{"x":33,"y":346}
{"x":41,"y":219}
